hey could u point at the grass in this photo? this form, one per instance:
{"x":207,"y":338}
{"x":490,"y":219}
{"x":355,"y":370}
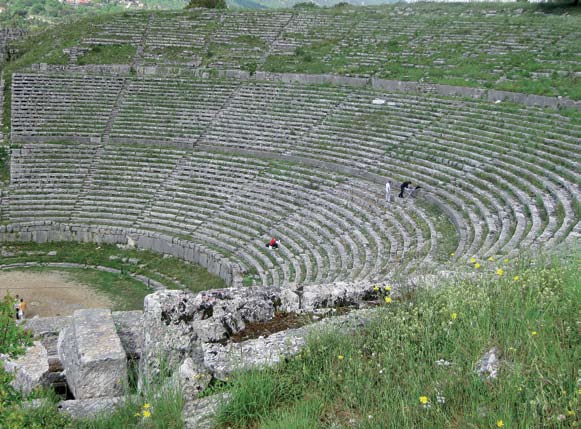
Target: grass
{"x":424,"y":348}
{"x":170,"y":271}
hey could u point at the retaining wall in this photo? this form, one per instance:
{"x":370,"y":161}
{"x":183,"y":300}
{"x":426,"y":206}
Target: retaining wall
{"x":44,"y":232}
{"x":318,"y":79}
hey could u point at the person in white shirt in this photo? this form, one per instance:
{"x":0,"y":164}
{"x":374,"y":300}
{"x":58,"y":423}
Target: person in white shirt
{"x":388,"y":192}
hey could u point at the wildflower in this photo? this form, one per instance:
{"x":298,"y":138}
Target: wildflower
{"x":472,"y":260}
{"x":452,"y":254}
{"x":388,"y":299}
{"x":146,"y":406}
{"x":491,"y":259}
{"x":533,"y":333}
{"x":454,"y":316}
{"x":340,"y":357}
{"x":441,"y":399}
{"x":375,"y":288}
{"x":424,"y":400}
{"x":500,"y":271}
{"x":146,"y":414}
{"x":388,"y":288}
{"x":476,"y":265}
{"x":443,"y":362}
{"x":516,"y":278}
{"x":570,"y":413}
{"x":499,"y":423}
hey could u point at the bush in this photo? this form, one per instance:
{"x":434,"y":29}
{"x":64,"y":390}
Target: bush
{"x":209,"y":4}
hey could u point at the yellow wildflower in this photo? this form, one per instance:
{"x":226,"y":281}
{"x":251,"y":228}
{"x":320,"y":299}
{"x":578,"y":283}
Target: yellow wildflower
{"x":340,"y":357}
{"x":146,"y":414}
{"x":491,"y":259}
{"x":424,"y":400}
{"x":476,"y":265}
{"x":516,"y":278}
{"x":375,"y":288}
{"x":499,"y":423}
{"x":388,"y":299}
{"x":454,"y":316}
{"x":146,"y":406}
{"x":570,"y":413}
{"x":533,"y":333}
{"x":388,"y":288}
{"x":500,"y":271}
{"x":452,"y":254}
{"x":472,"y":260}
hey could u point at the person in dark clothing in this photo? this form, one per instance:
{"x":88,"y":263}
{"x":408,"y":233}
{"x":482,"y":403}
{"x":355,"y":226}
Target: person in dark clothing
{"x":272,"y":244}
{"x":403,"y":187}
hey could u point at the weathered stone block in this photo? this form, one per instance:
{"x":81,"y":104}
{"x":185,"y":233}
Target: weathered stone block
{"x":92,"y":355}
{"x":30,"y":370}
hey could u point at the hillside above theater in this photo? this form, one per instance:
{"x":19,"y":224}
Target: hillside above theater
{"x":521,"y":48}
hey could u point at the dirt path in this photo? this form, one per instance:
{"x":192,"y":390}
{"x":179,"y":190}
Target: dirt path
{"x":50,"y":293}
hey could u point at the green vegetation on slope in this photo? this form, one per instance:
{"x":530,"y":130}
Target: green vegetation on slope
{"x":415,"y":365}
{"x":523,"y":48}
{"x":169,"y":270}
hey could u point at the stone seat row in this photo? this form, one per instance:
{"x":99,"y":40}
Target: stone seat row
{"x":347,"y":255}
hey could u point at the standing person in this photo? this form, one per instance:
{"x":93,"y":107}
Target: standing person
{"x":403,"y":187}
{"x":21,"y":309}
{"x":388,"y":192}
{"x":272,"y":244}
{"x":17,"y":307}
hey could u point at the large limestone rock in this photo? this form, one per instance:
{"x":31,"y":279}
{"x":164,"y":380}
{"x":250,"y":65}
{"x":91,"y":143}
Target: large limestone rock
{"x":223,"y":360}
{"x":169,"y":337}
{"x":335,"y":295}
{"x":192,"y":378}
{"x":86,"y":408}
{"x":30,"y":370}
{"x":176,"y":322}
{"x":92,"y":355}
{"x":199,"y":414}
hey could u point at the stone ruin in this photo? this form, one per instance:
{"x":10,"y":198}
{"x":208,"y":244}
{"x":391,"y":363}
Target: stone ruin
{"x":89,"y":353}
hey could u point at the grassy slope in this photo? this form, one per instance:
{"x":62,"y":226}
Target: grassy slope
{"x":424,"y":349}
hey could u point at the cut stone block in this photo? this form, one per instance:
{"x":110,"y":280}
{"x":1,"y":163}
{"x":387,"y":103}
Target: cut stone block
{"x":92,"y":355}
{"x":30,"y":370}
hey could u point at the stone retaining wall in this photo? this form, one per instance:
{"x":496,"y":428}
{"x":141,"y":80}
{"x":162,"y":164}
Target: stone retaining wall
{"x":318,"y":79}
{"x":43,"y":232}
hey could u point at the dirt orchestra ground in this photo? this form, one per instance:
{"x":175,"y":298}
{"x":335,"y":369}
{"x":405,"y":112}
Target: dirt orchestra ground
{"x":50,"y":293}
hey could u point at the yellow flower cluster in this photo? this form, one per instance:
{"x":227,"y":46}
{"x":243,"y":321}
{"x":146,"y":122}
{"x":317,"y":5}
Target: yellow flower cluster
{"x":145,"y":411}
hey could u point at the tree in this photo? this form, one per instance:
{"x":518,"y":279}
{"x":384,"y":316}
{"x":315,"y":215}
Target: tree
{"x":210,"y":4}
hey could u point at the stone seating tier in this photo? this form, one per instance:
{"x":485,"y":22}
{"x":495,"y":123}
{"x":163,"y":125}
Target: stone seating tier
{"x":506,"y":175}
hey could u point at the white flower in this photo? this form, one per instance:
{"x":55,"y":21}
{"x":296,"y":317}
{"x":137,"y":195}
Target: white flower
{"x":441,"y":399}
{"x":443,"y":362}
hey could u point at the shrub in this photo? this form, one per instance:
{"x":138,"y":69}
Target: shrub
{"x":209,"y":4}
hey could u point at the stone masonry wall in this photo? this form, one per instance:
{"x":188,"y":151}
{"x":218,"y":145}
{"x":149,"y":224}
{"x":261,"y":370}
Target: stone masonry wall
{"x":317,"y":79}
{"x":43,"y":232}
